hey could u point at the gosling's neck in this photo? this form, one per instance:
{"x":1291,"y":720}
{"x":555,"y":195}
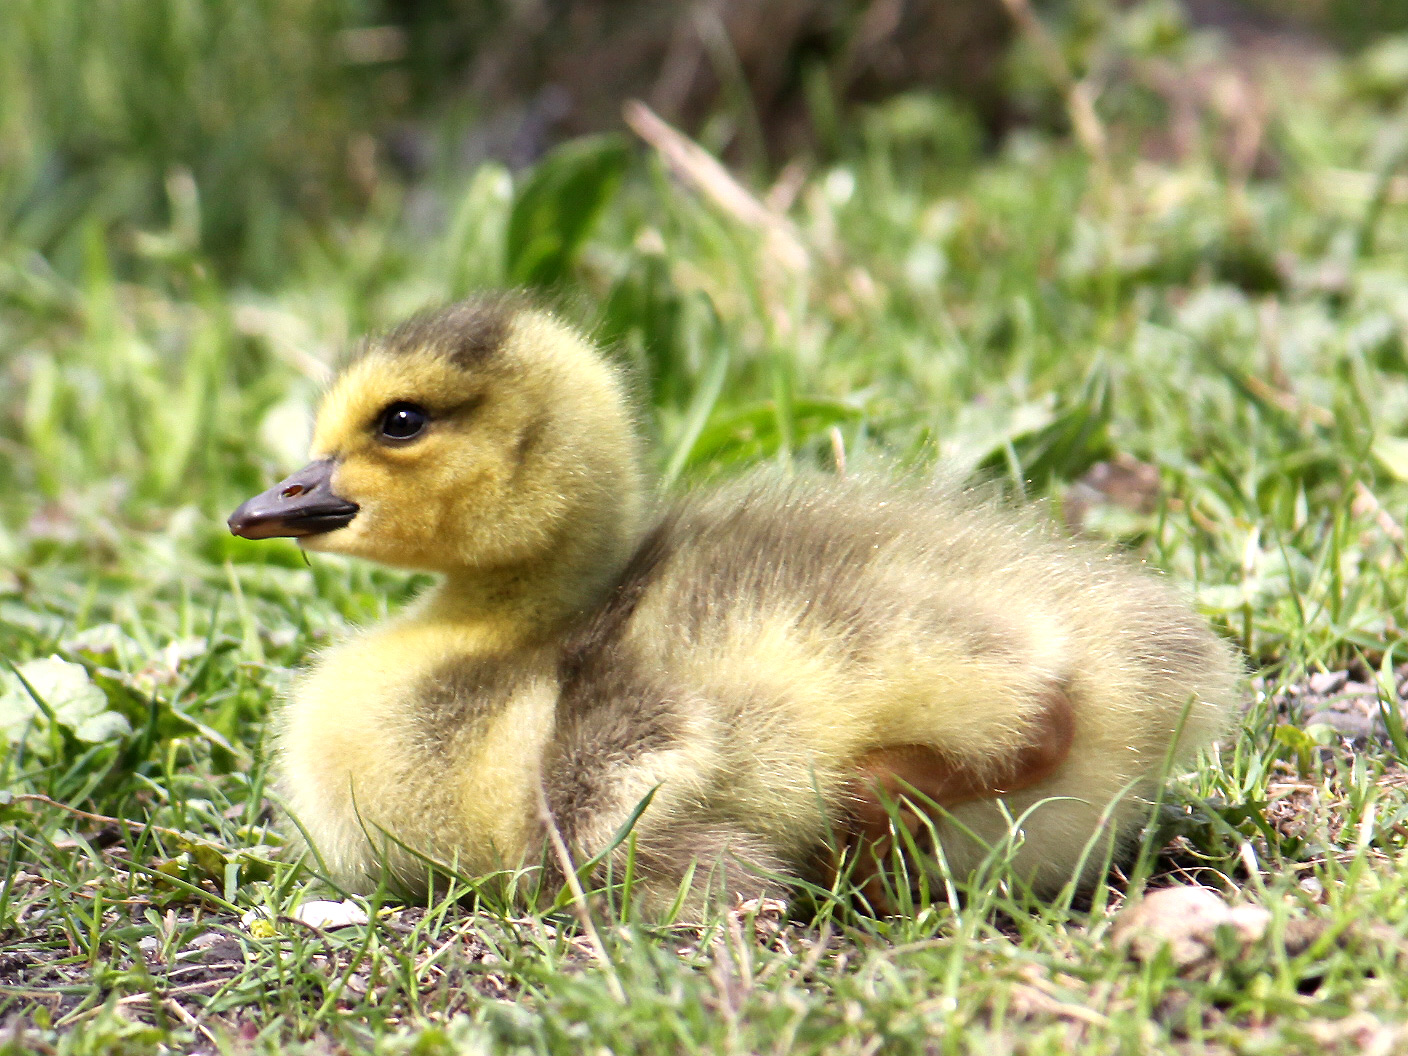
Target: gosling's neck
{"x":530,"y":603}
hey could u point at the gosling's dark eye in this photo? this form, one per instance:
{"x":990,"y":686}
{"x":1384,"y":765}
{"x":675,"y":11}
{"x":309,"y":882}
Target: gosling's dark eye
{"x":403,"y":421}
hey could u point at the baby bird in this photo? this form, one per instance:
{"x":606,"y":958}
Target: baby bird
{"x":776,"y":668}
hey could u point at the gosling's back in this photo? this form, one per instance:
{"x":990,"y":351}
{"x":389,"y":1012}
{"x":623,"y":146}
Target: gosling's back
{"x":768,"y":635}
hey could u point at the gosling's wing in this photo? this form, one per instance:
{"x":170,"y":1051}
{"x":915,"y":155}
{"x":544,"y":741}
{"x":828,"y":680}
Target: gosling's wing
{"x":776,"y":647}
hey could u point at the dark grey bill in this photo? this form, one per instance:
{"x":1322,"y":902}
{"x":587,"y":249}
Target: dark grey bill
{"x":303,"y":504}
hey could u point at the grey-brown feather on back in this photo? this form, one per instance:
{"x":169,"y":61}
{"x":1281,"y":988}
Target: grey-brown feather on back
{"x":455,"y":702}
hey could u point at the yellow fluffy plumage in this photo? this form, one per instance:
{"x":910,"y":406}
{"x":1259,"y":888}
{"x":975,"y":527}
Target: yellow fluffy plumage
{"x":771,"y":661}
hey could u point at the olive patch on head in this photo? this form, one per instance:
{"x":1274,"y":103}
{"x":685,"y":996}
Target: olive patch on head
{"x":402,"y":421}
{"x":469,"y":333}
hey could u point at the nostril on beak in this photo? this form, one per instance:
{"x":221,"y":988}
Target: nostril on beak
{"x":303,"y":504}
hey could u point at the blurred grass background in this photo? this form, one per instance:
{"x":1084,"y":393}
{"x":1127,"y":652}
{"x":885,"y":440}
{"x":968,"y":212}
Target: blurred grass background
{"x":200,"y":204}
{"x":1146,"y":262}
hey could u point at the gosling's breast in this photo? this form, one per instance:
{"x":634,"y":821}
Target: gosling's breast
{"x":404,"y":736}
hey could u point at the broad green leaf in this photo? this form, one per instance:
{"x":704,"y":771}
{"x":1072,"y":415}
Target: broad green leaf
{"x":754,"y":433}
{"x":557,"y":207}
{"x":1392,"y":453}
{"x":67,"y":692}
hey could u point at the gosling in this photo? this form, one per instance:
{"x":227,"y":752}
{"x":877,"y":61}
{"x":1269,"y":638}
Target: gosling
{"x":781,"y":671}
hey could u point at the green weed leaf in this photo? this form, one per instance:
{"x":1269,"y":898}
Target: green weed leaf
{"x":62,"y":691}
{"x":557,"y":207}
{"x":1392,"y":454}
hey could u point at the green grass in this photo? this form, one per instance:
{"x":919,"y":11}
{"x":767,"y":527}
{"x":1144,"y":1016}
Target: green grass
{"x":1235,"y":320}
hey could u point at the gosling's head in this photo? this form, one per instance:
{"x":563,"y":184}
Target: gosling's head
{"x":484,"y":436}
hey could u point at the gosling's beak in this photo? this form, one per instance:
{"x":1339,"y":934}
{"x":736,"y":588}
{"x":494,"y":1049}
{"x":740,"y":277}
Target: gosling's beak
{"x":303,"y":504}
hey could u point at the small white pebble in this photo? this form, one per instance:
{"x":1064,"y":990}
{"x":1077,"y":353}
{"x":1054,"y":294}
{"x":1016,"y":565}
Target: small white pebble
{"x":1324,"y":682}
{"x":1185,"y":919}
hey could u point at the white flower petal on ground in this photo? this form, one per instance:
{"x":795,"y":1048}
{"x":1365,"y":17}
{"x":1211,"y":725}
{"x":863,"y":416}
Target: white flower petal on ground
{"x":318,"y":913}
{"x":324,"y":914}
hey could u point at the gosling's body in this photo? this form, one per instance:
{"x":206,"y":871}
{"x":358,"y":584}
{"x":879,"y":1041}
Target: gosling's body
{"x":757,"y":658}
